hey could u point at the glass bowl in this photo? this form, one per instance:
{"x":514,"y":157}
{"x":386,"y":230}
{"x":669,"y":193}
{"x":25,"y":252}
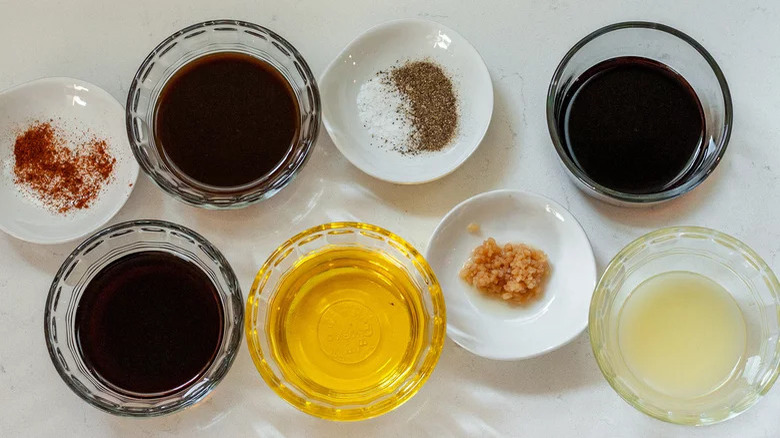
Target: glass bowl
{"x":302,"y":389}
{"x":732,"y":265}
{"x":668,"y":46}
{"x":197,"y":41}
{"x":99,"y":250}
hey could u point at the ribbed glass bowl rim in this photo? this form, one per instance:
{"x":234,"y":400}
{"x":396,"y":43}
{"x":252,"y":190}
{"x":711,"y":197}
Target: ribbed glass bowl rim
{"x":233,"y":342}
{"x":313,"y":408}
{"x":601,"y":294}
{"x":631,"y":197}
{"x":259,"y":192}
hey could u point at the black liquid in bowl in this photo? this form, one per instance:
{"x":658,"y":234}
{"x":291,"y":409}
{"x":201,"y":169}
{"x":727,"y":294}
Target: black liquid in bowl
{"x":144,"y":318}
{"x":149,"y":323}
{"x":639,"y":113}
{"x":633,"y":125}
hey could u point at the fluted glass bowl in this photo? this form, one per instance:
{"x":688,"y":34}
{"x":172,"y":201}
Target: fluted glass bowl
{"x":311,"y":398}
{"x":183,"y":47}
{"x":732,"y":265}
{"x":97,"y":252}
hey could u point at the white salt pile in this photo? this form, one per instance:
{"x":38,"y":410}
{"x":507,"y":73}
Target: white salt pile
{"x":385,"y":114}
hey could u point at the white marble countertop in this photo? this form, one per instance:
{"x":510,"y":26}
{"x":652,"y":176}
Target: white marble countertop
{"x":559,"y":394}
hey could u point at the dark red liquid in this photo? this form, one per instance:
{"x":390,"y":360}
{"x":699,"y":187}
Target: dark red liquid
{"x":149,"y":323}
{"x":226,"y":119}
{"x":633,"y":125}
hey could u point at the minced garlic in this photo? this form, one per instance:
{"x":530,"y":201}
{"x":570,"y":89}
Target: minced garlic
{"x":514,"y":273}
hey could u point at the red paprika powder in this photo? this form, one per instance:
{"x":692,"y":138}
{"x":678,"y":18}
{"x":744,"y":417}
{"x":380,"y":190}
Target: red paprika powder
{"x":61,"y":177}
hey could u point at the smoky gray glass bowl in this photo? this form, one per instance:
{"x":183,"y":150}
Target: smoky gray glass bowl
{"x":181,"y":48}
{"x":670,"y":47}
{"x":86,"y":261}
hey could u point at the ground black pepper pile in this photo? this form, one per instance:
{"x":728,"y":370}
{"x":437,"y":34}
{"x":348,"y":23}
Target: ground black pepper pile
{"x":434,"y":106}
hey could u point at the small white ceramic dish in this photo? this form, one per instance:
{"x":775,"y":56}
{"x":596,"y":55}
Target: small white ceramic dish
{"x":489,"y":327}
{"x":380,"y":48}
{"x":76,"y":107}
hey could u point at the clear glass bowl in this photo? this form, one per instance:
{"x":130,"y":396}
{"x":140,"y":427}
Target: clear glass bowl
{"x":668,"y":46}
{"x":88,"y":259}
{"x":729,"y":263}
{"x":194,"y":42}
{"x":339,"y":235}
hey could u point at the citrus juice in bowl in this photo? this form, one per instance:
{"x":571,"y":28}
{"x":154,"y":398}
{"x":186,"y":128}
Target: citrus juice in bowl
{"x":685,"y":325}
{"x":682,"y":334}
{"x":346,"y":321}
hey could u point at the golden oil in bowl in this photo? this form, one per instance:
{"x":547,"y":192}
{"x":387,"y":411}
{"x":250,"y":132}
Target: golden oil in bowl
{"x":346,"y":321}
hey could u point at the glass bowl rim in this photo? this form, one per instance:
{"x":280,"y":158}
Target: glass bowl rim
{"x":233,"y":342}
{"x":601,"y":294}
{"x":632,"y":198}
{"x":256,"y":190}
{"x":316,"y":409}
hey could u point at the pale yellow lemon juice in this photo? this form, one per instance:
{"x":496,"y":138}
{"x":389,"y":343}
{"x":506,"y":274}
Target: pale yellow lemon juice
{"x":682,"y":334}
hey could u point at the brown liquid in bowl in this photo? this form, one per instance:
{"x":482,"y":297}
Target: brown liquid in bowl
{"x":226,"y":120}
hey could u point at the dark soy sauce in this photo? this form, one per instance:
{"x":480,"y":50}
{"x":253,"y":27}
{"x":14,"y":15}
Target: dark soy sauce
{"x":633,"y":125}
{"x":226,"y":119}
{"x":149,"y":323}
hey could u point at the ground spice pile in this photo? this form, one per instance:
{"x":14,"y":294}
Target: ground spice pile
{"x":63,"y":178}
{"x":514,"y":273}
{"x":410,"y":108}
{"x":434,"y":107}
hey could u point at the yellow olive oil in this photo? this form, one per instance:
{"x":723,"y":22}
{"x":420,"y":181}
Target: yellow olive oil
{"x":346,"y":321}
{"x":682,"y":334}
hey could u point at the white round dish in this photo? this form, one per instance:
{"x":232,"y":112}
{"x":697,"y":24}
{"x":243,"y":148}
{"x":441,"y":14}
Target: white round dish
{"x":380,"y":48}
{"x":489,"y":327}
{"x":76,"y":107}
